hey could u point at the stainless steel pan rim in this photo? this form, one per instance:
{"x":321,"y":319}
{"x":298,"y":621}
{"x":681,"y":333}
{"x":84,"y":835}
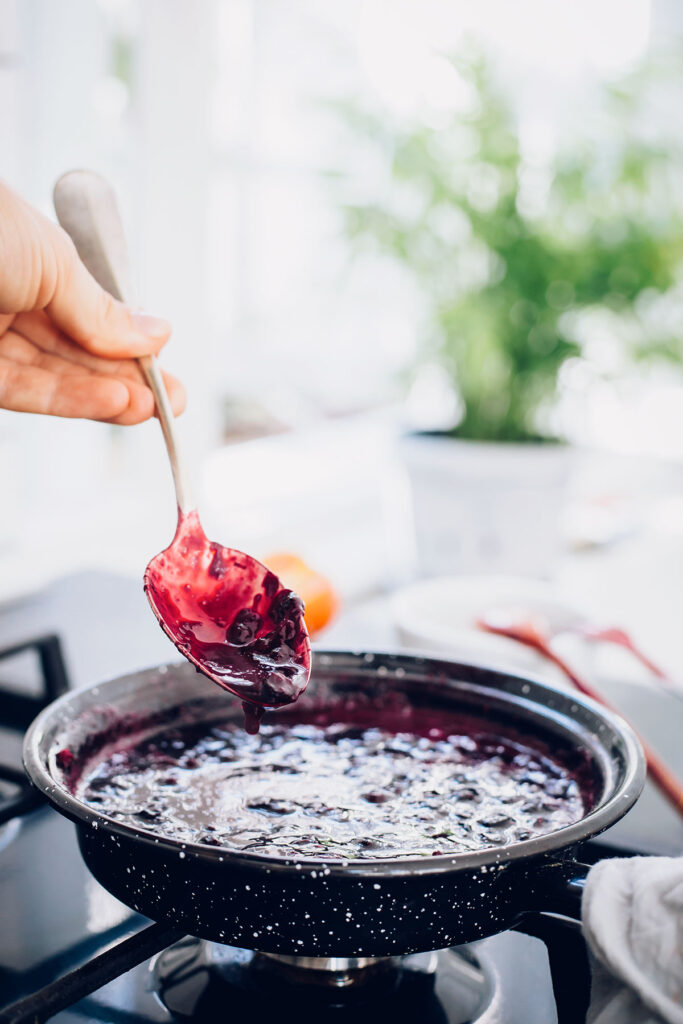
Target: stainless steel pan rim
{"x":549,"y":702}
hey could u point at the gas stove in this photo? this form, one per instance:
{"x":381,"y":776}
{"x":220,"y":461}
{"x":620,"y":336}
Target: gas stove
{"x":70,"y":952}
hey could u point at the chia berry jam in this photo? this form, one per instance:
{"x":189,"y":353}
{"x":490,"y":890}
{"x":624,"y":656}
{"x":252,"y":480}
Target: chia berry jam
{"x":340,"y":785}
{"x":230,"y":616}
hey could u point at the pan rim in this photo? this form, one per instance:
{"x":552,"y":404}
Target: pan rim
{"x":606,"y":813}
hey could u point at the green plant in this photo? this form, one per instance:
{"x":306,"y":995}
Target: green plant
{"x":506,"y":254}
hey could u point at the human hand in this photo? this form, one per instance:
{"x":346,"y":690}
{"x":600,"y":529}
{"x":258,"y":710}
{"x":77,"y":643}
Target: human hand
{"x":67,"y":348}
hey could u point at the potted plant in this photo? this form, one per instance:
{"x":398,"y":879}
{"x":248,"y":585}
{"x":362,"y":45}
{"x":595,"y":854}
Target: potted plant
{"x":508,"y":254}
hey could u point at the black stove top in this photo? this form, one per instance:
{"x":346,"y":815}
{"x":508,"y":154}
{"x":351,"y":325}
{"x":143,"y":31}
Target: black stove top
{"x":55,"y":918}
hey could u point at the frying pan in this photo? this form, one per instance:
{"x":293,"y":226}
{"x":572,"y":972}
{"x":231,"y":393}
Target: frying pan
{"x":357,"y":908}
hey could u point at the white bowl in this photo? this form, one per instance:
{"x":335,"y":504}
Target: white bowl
{"x":441,"y":615}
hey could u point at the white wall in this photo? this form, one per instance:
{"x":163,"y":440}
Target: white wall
{"x":217,"y":144}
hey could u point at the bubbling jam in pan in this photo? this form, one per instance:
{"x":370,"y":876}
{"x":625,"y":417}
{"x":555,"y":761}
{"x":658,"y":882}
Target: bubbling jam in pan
{"x":338,"y":786}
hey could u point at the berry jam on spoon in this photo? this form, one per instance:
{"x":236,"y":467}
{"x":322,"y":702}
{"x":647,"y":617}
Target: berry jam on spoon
{"x":231,"y":618}
{"x":225,"y":611}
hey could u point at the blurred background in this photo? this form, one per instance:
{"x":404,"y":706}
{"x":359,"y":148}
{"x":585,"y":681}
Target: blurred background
{"x":424,"y":266}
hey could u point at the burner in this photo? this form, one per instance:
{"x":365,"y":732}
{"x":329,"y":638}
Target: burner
{"x":333,"y":972}
{"x":197,"y":980}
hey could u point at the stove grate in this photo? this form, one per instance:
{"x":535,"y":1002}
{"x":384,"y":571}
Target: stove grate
{"x":81,"y":982}
{"x":17,"y":711}
{"x":568,"y":961}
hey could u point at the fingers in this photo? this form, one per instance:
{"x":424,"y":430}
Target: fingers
{"x":38,"y":328}
{"x":89,"y":315}
{"x":76,"y":358}
{"x":141,"y":401}
{"x":45,"y":272}
{"x":140,"y":405}
{"x":42,"y":386}
{"x":35,"y":341}
{"x":32,"y":389}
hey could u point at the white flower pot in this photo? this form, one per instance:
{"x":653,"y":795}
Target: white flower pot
{"x":482,"y":507}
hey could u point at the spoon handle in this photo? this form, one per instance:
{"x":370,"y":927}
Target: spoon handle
{"x":150,"y":368}
{"x":86,"y":208}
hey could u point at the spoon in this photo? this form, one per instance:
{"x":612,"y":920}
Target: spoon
{"x":527,"y":630}
{"x":225,"y":611}
{"x":620,"y":638}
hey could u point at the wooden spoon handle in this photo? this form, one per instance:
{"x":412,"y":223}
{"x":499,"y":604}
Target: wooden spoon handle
{"x":86,"y":208}
{"x":663,"y":777}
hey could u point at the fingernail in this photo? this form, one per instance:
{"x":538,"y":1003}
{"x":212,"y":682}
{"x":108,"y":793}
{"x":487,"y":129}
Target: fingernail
{"x":152,"y":326}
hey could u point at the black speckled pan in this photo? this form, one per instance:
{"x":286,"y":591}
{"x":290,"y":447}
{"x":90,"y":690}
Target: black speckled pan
{"x":338,"y":909}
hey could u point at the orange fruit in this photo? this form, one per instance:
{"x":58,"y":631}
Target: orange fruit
{"x":315,"y":590}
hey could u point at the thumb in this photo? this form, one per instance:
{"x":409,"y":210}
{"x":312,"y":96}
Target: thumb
{"x":90,"y":316}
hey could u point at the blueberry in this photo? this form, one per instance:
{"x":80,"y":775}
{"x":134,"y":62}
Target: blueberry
{"x":206,"y":839}
{"x":281,"y":654}
{"x":272,"y":806}
{"x":287,"y":605}
{"x":244,"y":627}
{"x":277,"y":689}
{"x":558,"y":787}
{"x":466,"y":793}
{"x":534,"y":778}
{"x":495,"y":821}
{"x":339,"y":731}
{"x":97,"y":784}
{"x":147,"y":815}
{"x":288,"y":629}
{"x":270,"y":584}
{"x":368,"y":844}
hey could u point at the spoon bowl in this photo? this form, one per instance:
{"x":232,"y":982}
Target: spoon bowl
{"x":231,"y":617}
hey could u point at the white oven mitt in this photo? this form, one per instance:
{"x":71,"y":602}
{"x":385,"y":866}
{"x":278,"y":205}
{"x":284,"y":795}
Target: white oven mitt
{"x":633,"y":921}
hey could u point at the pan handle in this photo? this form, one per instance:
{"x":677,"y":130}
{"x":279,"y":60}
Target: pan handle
{"x":557,"y":922}
{"x":560,"y":888}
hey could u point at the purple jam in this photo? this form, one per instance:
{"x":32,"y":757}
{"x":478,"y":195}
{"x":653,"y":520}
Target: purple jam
{"x":340,"y":785}
{"x":230,"y":616}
